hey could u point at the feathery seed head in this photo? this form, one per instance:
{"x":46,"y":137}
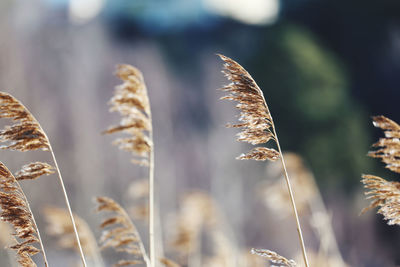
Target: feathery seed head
{"x":25,"y":134}
{"x":15,"y":210}
{"x":255,"y":118}
{"x":131,"y":101}
{"x":120,"y":233}
{"x":34,"y":170}
{"x":274,"y":257}
{"x":384,"y":194}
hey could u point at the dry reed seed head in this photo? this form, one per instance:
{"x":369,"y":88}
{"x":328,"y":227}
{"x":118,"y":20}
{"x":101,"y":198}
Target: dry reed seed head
{"x":197,"y":210}
{"x":385,"y":195}
{"x":34,"y":170}
{"x":25,"y":134}
{"x":389,"y":146}
{"x":15,"y":210}
{"x":169,"y":263}
{"x":274,"y":257}
{"x":119,"y":232}
{"x":255,"y":119}
{"x":131,"y":101}
{"x":60,"y":225}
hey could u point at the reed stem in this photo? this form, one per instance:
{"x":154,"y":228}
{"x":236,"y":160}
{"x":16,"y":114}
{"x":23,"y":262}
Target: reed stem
{"x":289,"y":187}
{"x":152,"y":249}
{"x":68,"y":205}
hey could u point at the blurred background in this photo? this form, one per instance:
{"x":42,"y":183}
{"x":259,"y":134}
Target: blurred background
{"x":325,"y":68}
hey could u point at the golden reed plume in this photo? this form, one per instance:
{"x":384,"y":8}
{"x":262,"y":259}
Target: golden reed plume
{"x":16,"y":211}
{"x":274,"y":257}
{"x":132,"y":102}
{"x":120,"y":233}
{"x":169,"y":263}
{"x":255,"y":118}
{"x":59,"y":225}
{"x":26,"y":134}
{"x":34,"y":170}
{"x":389,"y":146}
{"x":257,"y":125}
{"x":385,"y":194}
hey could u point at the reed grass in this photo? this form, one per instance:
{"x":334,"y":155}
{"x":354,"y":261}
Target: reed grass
{"x":26,"y":134}
{"x":257,"y":126}
{"x":132,"y":102}
{"x":16,"y":211}
{"x":120,"y":233}
{"x":385,"y":195}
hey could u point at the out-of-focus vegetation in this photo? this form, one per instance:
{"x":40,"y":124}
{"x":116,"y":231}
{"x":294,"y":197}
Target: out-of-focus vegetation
{"x":325,"y":67}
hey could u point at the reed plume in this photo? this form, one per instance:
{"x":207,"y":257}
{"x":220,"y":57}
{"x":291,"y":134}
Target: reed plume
{"x":16,"y":211}
{"x":384,"y":194}
{"x":132,"y":102}
{"x":120,"y":233}
{"x":389,"y":146}
{"x":59,"y":225}
{"x":26,"y":134}
{"x":274,"y":257}
{"x":34,"y":170}
{"x":169,"y":263}
{"x":256,"y":124}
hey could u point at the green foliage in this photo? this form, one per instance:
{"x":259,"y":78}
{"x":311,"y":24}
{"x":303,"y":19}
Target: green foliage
{"x":308,"y":90}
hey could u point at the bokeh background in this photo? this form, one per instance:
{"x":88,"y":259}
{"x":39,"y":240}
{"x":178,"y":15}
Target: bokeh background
{"x":325,"y":68}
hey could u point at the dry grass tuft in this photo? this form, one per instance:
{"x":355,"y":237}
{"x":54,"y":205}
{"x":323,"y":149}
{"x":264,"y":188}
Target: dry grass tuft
{"x":389,"y":146}
{"x":131,"y":101}
{"x":25,"y":134}
{"x":16,"y":211}
{"x":197,"y":211}
{"x":257,"y":125}
{"x":169,"y":263}
{"x":255,"y":118}
{"x":384,"y":194}
{"x":34,"y":170}
{"x":274,"y":257}
{"x":59,"y":225}
{"x":120,"y":233}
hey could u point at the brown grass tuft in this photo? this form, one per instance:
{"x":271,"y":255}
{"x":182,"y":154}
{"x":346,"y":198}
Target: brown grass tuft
{"x":197,"y":211}
{"x":169,"y":263}
{"x":389,"y":146}
{"x":16,"y":211}
{"x":255,"y":119}
{"x":34,"y":170}
{"x":120,"y":233}
{"x":59,"y":225}
{"x":257,"y":125}
{"x":384,"y":194}
{"x":25,"y":134}
{"x":131,"y":101}
{"x":274,"y":257}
